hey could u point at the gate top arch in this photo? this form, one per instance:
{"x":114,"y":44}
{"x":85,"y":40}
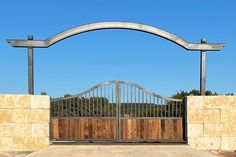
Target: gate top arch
{"x":115,"y":25}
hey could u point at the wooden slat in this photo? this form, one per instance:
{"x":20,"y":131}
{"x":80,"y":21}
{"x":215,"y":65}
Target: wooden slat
{"x":94,"y":129}
{"x":54,"y":129}
{"x":179,"y":129}
{"x":77,"y":129}
{"x":72,"y":129}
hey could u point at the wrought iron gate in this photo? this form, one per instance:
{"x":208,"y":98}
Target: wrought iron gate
{"x":117,"y":111}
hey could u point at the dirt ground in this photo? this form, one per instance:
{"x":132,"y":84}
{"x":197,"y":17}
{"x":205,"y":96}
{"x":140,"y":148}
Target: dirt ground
{"x":218,"y":153}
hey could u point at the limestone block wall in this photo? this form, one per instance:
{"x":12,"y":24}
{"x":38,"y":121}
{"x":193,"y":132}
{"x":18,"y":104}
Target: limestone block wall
{"x":211,"y":122}
{"x":24,"y":122}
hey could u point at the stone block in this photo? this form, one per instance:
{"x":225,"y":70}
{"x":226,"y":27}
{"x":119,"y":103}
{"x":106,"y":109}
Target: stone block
{"x":33,"y":144}
{"x":219,"y":129}
{"x":6,"y":115}
{"x":203,"y":116}
{"x":22,"y":115}
{"x":6,"y":101}
{"x":195,"y":130}
{"x":29,"y":144}
{"x":228,"y":143}
{"x":40,"y":130}
{"x":6,"y":143}
{"x":213,"y":129}
{"x":228,"y":115}
{"x":40,"y":116}
{"x":219,"y":102}
{"x":40,"y":102}
{"x":41,"y":143}
{"x":229,"y":129}
{"x":6,"y":129}
{"x":194,"y":102}
{"x":18,"y":143}
{"x":205,"y":143}
{"x":22,"y":101}
{"x":22,"y":130}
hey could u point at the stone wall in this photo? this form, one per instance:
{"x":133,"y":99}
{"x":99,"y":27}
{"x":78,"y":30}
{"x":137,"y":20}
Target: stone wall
{"x":24,"y":122}
{"x":211,"y":122}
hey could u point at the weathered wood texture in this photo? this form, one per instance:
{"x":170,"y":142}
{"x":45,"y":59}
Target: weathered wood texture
{"x":83,"y":129}
{"x":152,"y":129}
{"x":105,"y":129}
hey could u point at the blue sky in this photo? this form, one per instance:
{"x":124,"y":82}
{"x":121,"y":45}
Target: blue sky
{"x":80,"y":62}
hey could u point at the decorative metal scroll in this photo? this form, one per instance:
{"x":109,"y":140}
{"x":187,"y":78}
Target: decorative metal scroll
{"x":116,"y":97}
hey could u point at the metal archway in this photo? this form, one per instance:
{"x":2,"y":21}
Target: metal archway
{"x":30,"y":43}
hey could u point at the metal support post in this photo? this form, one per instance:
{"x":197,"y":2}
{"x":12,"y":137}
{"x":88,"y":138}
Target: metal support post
{"x":203,"y":70}
{"x":30,"y":68}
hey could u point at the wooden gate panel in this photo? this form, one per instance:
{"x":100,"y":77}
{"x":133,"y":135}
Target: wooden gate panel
{"x":138,"y":129}
{"x":151,"y":129}
{"x":83,"y":129}
{"x":171,"y":129}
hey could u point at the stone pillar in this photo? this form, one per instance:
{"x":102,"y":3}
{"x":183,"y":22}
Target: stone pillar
{"x":211,"y":122}
{"x":24,"y":123}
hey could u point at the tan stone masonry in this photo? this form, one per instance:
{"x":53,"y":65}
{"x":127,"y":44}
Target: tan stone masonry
{"x":211,"y":122}
{"x":24,"y":122}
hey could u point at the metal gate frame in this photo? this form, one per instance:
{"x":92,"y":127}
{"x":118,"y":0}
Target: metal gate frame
{"x":166,"y":105}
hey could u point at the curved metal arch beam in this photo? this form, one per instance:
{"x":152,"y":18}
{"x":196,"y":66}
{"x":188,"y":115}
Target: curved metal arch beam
{"x":115,"y":25}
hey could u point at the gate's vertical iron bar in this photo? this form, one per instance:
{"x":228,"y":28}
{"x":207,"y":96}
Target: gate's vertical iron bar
{"x":176,"y":109}
{"x":131,"y":95}
{"x":165,"y":106}
{"x":101,"y":102}
{"x":117,"y":110}
{"x":203,"y":69}
{"x":62,"y":107}
{"x":135,"y":95}
{"x":154,"y":110}
{"x":105,"y":98}
{"x":168,"y":107}
{"x":93,"y":103}
{"x":89,"y":104}
{"x":30,"y":68}
{"x":78,"y":107}
{"x":69,"y":106}
{"x":161,"y":108}
{"x":75,"y":112}
{"x":124,"y":104}
{"x":139,"y":103}
{"x":157,"y":107}
{"x":85,"y":105}
{"x":108,"y":97}
{"x":150,"y":106}
{"x":58,"y":107}
{"x":185,"y":119}
{"x":66,"y":108}
{"x":112,"y":100}
{"x":172,"y":109}
{"x":82,"y":105}
{"x":180,"y":109}
{"x":142,"y":104}
{"x":127,"y":101}
{"x":97,"y":103}
{"x":146,"y":110}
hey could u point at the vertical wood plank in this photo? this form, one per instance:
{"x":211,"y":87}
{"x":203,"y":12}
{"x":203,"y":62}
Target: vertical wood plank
{"x":72,"y":129}
{"x":54,"y":129}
